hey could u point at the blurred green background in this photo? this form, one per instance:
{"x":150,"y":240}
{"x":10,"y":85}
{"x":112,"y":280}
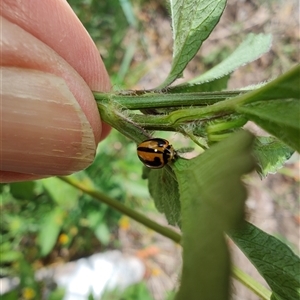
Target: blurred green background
{"x":47,"y":222}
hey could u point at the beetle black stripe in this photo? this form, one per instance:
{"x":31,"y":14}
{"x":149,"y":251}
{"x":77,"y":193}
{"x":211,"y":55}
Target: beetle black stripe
{"x":144,"y":149}
{"x":156,"y":162}
{"x":166,"y":157}
{"x":160,"y":142}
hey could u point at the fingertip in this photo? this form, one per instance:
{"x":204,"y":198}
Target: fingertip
{"x":8,"y":177}
{"x":106,"y":129}
{"x":44,"y":130}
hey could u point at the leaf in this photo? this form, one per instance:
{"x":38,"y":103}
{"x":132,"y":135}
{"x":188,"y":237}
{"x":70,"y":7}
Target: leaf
{"x":192,"y":23}
{"x":286,"y":86}
{"x":63,"y":194}
{"x":249,"y":50}
{"x":10,"y":256}
{"x":23,"y":190}
{"x":134,"y":291}
{"x":218,"y":84}
{"x":280,"y":118}
{"x":163,"y":188}
{"x":49,"y":230}
{"x":138,"y":290}
{"x":103,"y":234}
{"x":274,"y":260}
{"x":212,"y":199}
{"x":26,"y":275}
{"x":271,"y":154}
{"x":57,"y":294}
{"x":12,"y":295}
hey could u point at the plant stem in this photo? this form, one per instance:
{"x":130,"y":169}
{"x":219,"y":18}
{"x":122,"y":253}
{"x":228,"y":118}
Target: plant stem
{"x":111,"y":110}
{"x":165,"y":231}
{"x":201,"y":106}
{"x":122,"y":122}
{"x":251,"y":284}
{"x":144,"y":99}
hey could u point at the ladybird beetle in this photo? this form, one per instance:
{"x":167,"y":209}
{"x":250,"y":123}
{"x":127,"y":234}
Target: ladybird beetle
{"x":156,"y":153}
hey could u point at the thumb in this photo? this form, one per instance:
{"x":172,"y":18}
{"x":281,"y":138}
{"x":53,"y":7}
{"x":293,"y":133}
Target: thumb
{"x":43,"y":128}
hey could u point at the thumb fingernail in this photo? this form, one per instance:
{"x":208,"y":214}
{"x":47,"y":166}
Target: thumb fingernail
{"x":43,"y":129}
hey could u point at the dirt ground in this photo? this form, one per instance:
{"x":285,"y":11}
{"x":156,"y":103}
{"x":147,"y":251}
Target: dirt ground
{"x":273,"y":203}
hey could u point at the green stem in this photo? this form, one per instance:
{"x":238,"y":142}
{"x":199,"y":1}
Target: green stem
{"x":122,"y":122}
{"x":181,"y":116}
{"x":251,"y":284}
{"x":165,"y":231}
{"x":145,"y":100}
{"x":200,"y":105}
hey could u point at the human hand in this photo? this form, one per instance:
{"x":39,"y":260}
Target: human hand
{"x":49,"y":121}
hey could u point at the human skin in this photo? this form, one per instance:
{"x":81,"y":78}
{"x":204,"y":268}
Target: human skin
{"x":49,"y":122}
